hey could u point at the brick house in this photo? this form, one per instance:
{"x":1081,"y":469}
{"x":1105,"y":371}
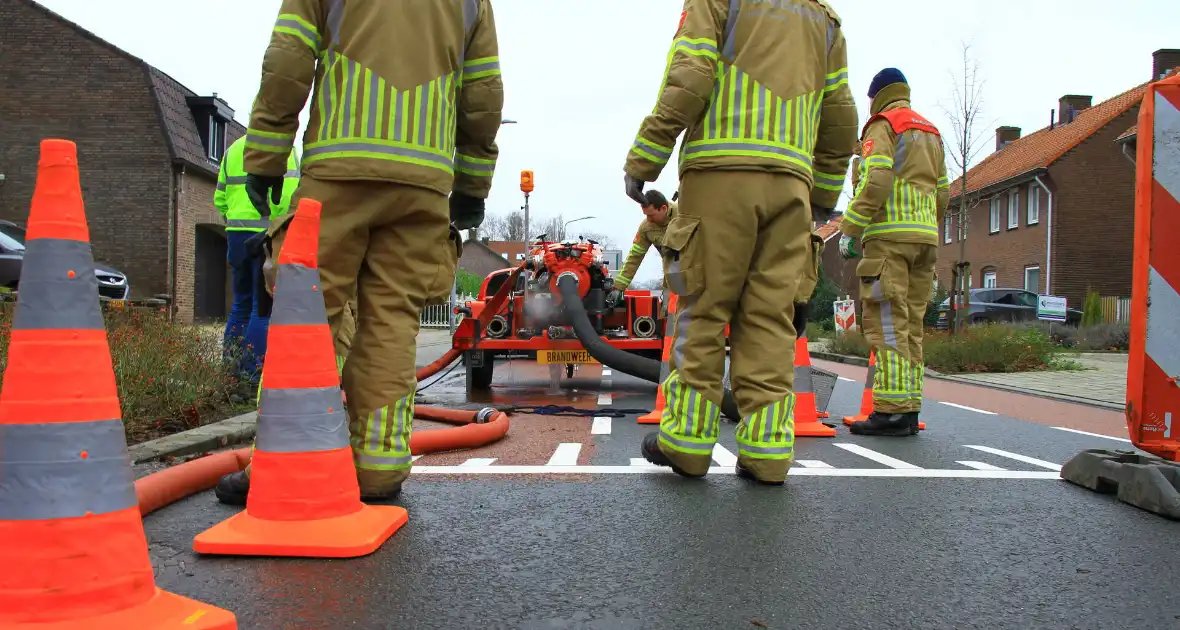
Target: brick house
{"x":1052,"y":212}
{"x":148,"y":151}
{"x":835,"y":268}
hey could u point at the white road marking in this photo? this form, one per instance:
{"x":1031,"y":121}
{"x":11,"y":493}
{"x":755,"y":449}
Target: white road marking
{"x":1020,"y":458}
{"x":880,"y":458}
{"x":949,"y":404}
{"x":812,"y":463}
{"x":601,"y":426}
{"x":920,"y":473}
{"x":605,"y":372}
{"x":639,"y":461}
{"x":980,"y":465}
{"x":845,"y":378}
{"x":565,"y":455}
{"x":722,"y":456}
{"x":416,"y":458}
{"x":1109,"y":437}
{"x":479,"y":461}
{"x":604,"y":399}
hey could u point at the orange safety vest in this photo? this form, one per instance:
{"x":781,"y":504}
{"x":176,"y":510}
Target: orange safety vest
{"x":902,"y":120}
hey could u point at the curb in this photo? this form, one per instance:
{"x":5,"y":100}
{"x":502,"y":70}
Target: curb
{"x":1101,"y":404}
{"x":199,"y":440}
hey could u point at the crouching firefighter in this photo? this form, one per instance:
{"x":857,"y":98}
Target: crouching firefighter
{"x":658,"y":212}
{"x":393,"y":131}
{"x":761,"y":93}
{"x":895,"y":212}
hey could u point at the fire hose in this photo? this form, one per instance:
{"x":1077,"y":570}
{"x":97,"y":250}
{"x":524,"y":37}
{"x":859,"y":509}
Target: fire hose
{"x":473,"y":429}
{"x":608,"y":355}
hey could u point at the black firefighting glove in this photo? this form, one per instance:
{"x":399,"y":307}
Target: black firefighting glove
{"x":259,"y":187}
{"x":634,"y":188}
{"x":258,"y":247}
{"x":466,"y":211}
{"x":820,"y":214}
{"x":800,"y":319}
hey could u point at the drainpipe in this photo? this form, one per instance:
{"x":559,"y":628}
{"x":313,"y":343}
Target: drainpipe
{"x":1048,"y":236}
{"x":1128,"y":155}
{"x":173,"y":213}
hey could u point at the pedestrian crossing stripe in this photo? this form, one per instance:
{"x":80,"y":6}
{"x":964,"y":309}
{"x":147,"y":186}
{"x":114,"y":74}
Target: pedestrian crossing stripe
{"x":797,"y":471}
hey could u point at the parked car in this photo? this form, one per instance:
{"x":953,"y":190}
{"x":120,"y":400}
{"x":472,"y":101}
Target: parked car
{"x":112,"y":283}
{"x":1001,"y":305}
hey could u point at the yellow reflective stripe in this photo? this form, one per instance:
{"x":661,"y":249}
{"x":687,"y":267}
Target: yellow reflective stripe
{"x":690,"y":422}
{"x":835,"y":79}
{"x":829,"y":181}
{"x":651,"y":151}
{"x":377,"y":149}
{"x":623,"y":279}
{"x":878,"y":161}
{"x":271,"y":141}
{"x":480,"y":68}
{"x":476,"y":167}
{"x":943,"y":182}
{"x":699,"y":47}
{"x":292,"y":24}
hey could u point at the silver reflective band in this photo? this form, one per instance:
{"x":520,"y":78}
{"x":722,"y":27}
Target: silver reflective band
{"x":235,"y":180}
{"x":753,"y":147}
{"x":291,"y":174}
{"x":646,"y":147}
{"x":297,"y":302}
{"x":248,"y":223}
{"x":302,"y":420}
{"x":705,"y":445}
{"x":256,"y":138}
{"x":296,"y":26}
{"x":465,"y":163}
{"x":368,"y":460}
{"x":749,"y":449}
{"x":803,"y":380}
{"x":44,"y":475}
{"x":367,"y":147}
{"x":481,"y":67}
{"x":49,"y":299}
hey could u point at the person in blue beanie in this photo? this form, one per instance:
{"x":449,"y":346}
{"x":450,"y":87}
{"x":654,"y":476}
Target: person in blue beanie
{"x":897,"y":206}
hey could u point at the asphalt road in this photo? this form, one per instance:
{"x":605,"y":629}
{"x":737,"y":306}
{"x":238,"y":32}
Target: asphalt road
{"x":963,"y":526}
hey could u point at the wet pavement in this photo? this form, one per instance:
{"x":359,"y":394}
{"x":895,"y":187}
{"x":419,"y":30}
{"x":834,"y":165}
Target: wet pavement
{"x":964,"y":526}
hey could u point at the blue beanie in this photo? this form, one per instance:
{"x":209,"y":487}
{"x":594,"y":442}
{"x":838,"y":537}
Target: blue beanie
{"x":888,"y":76}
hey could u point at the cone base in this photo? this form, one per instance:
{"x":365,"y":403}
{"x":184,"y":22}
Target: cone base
{"x":814,"y":429}
{"x":649,"y":418}
{"x":350,"y":536}
{"x":862,"y":418}
{"x":163,"y":610}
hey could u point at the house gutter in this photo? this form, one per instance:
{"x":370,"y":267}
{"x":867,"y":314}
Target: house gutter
{"x":1048,"y":236}
{"x":173,"y":212}
{"x":1127,"y":154}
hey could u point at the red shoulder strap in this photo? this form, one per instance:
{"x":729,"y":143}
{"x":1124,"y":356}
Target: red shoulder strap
{"x":904,"y":119}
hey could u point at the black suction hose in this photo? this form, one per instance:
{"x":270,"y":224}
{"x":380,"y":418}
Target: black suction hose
{"x":610,"y":356}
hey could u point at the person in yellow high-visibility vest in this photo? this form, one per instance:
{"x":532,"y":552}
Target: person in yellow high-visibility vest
{"x":245,"y":328}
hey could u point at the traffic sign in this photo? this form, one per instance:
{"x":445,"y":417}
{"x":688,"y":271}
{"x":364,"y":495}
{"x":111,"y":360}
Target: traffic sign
{"x":845,"y":312}
{"x":1051,"y":308}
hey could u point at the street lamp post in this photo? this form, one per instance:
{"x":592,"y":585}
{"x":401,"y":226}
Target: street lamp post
{"x":567,"y":223}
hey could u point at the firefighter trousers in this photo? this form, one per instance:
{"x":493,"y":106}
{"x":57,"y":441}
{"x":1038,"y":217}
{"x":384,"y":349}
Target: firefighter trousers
{"x":735,"y":254}
{"x":386,"y":250}
{"x":896,"y":281}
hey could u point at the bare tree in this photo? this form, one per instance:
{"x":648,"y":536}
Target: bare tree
{"x":964,"y":112}
{"x":553,"y":228}
{"x":598,"y":237}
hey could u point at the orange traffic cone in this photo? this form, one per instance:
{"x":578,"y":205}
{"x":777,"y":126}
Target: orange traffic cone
{"x":866,"y":397}
{"x":665,"y":366}
{"x":304,"y":499}
{"x":72,"y":547}
{"x":806,"y":422}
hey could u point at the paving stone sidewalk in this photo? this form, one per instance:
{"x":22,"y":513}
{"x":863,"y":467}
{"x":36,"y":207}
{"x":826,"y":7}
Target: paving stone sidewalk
{"x":1103,"y":382}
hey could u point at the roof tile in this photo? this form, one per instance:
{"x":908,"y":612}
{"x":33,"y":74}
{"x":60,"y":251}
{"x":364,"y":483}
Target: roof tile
{"x":1045,"y":146}
{"x":180,"y":124}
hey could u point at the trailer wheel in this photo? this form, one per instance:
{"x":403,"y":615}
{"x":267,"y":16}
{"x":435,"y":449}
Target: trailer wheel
{"x":480,"y":368}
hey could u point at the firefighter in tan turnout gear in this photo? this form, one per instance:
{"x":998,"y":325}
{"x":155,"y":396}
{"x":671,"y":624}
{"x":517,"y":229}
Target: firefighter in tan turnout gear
{"x":761,"y":89}
{"x":406,"y":105}
{"x":895,"y":212}
{"x":658,"y":212}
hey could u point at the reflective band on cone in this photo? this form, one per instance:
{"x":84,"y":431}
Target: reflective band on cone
{"x":72,"y":547}
{"x":304,"y":498}
{"x":669,"y":327}
{"x":807,"y":424}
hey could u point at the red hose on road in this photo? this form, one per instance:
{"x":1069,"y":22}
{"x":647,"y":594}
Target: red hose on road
{"x":475,"y":429}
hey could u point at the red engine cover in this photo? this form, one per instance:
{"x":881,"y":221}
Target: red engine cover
{"x":579,"y":266}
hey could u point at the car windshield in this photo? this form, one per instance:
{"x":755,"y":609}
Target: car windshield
{"x":12,"y":238}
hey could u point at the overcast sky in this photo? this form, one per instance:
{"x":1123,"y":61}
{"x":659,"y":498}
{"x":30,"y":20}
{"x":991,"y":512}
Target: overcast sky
{"x":579,"y":76}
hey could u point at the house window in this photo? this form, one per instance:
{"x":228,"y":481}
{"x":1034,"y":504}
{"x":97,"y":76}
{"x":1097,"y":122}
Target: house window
{"x":1032,"y":279}
{"x":1013,"y":210}
{"x":946,"y":229}
{"x":216,"y":137}
{"x":989,"y":279}
{"x":994,"y":222}
{"x":1034,"y":205}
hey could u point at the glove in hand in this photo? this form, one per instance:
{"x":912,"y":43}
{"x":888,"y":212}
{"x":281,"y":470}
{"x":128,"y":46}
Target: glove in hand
{"x":634,"y":188}
{"x":848,"y":247}
{"x":259,"y":187}
{"x":466,"y":211}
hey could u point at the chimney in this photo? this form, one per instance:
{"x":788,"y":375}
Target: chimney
{"x":1006,"y":136}
{"x":1070,"y":105}
{"x":1164,"y":60}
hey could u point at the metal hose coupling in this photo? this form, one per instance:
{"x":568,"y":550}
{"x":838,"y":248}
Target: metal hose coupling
{"x":483,"y":416}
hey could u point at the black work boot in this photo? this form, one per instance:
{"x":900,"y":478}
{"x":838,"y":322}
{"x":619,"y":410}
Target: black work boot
{"x":913,"y":419}
{"x":883,"y":424}
{"x":233,"y":488}
{"x":652,"y":453}
{"x":745,"y":473}
{"x":385,"y":496}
